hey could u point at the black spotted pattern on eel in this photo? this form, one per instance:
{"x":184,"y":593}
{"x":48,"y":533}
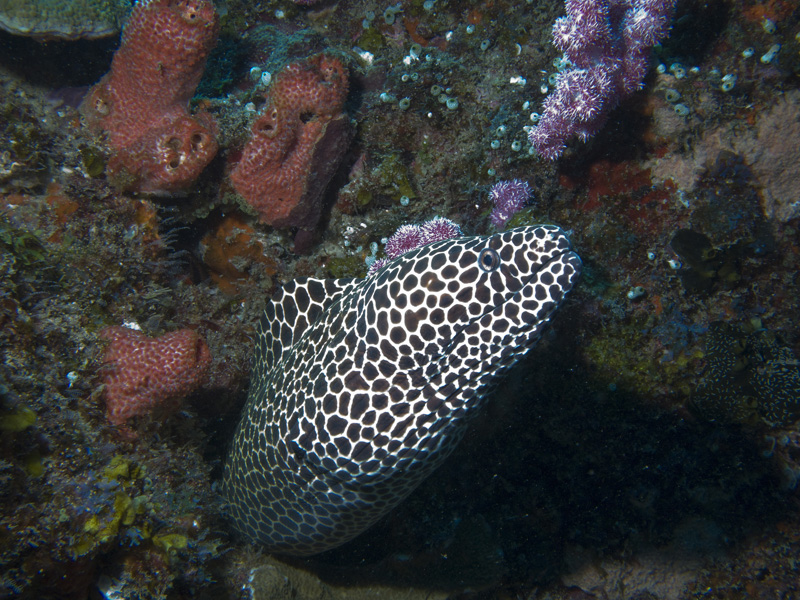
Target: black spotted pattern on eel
{"x":362,"y":387}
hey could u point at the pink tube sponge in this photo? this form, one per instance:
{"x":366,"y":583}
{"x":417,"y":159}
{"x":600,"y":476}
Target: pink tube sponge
{"x":296,"y":143}
{"x":144,"y":374}
{"x":142,"y":102}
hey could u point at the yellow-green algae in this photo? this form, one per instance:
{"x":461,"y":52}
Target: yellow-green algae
{"x":170,"y":542}
{"x":346,"y":266}
{"x":18,"y":420}
{"x":393,"y":178}
{"x":94,"y":162}
{"x":626,"y":358}
{"x":121,"y":512}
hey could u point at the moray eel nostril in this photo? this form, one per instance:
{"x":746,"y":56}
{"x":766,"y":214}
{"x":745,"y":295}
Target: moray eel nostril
{"x":362,"y":387}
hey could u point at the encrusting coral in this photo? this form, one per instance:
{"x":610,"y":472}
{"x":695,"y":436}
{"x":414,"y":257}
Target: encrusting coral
{"x":63,"y":19}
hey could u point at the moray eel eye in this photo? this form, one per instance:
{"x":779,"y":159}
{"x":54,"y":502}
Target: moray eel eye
{"x":488,"y":260}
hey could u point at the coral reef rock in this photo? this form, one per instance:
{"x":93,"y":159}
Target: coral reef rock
{"x":63,"y":19}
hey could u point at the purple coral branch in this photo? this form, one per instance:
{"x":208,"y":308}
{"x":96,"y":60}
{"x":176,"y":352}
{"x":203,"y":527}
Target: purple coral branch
{"x":608,"y":43}
{"x":508,"y":197}
{"x":410,"y":237}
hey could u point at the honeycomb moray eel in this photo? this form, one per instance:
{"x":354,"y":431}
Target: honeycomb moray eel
{"x":362,"y":387}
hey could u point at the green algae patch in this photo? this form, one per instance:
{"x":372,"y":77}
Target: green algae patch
{"x":18,"y":420}
{"x":346,"y":266}
{"x":393,"y":178}
{"x":94,"y":163}
{"x":23,"y":245}
{"x":121,"y":468}
{"x":34,"y":464}
{"x":523,"y":218}
{"x":169,"y":542}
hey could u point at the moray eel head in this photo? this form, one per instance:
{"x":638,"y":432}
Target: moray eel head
{"x":361,"y":388}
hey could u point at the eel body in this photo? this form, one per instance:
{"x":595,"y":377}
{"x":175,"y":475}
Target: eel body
{"x":362,"y":387}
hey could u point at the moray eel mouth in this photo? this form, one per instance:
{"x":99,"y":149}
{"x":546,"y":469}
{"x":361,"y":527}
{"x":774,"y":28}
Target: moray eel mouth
{"x":362,"y":387}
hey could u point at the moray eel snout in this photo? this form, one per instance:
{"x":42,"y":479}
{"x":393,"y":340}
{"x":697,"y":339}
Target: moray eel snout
{"x":362,"y":387}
